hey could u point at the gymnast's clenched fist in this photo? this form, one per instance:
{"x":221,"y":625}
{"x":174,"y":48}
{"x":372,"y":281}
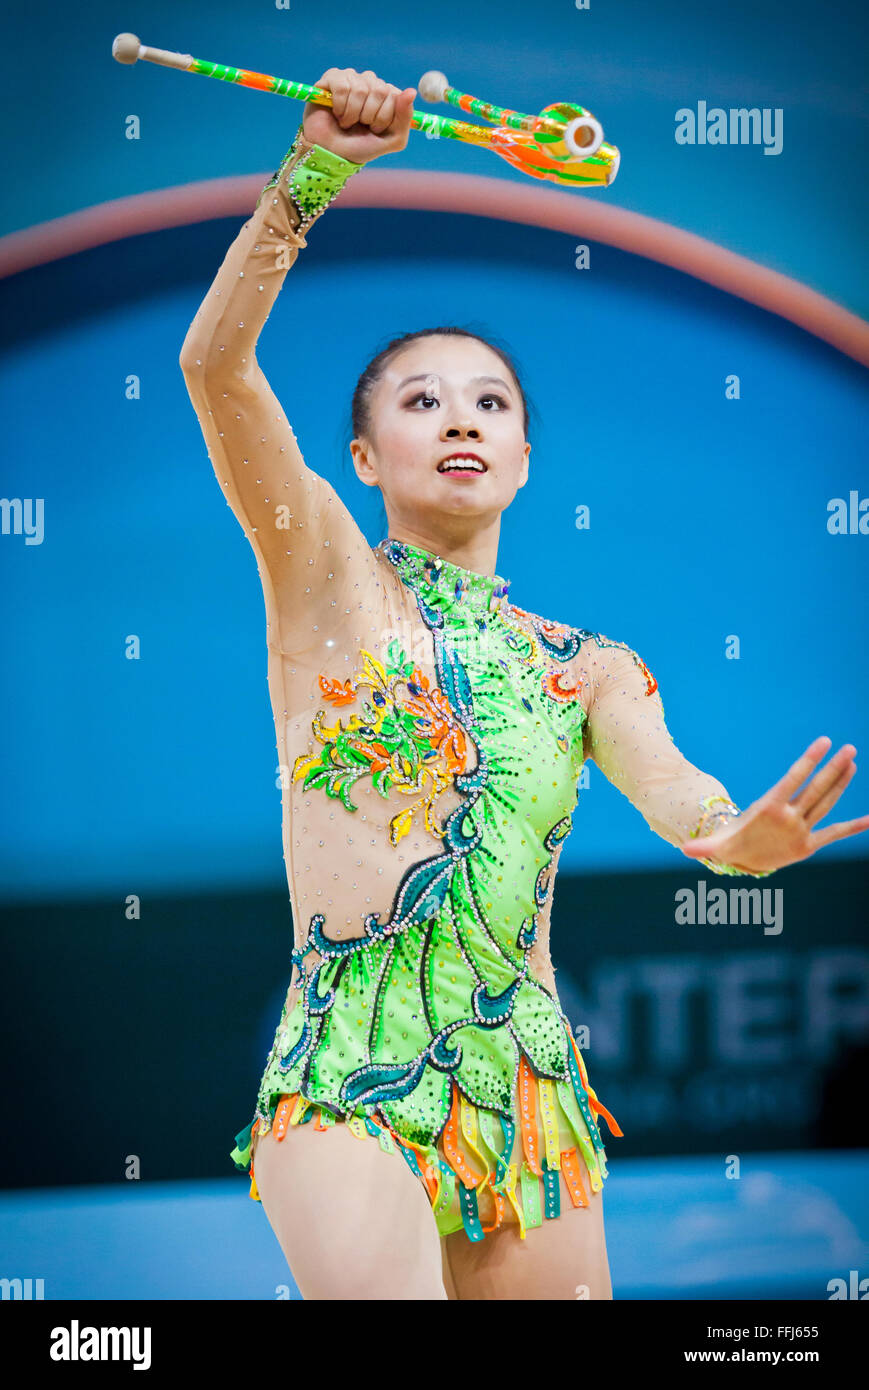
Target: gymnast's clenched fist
{"x":368,"y":117}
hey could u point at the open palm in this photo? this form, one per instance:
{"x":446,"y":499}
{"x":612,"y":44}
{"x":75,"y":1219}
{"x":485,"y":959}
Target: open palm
{"x":777,"y":829}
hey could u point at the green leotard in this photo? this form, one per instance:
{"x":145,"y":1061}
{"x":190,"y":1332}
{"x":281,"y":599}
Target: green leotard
{"x":431,"y":737}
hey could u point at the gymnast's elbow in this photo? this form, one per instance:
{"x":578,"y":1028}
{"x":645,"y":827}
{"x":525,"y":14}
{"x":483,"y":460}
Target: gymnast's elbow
{"x":192,"y":357}
{"x":209,"y":377}
{"x":196,"y":359}
{"x":201,"y":357}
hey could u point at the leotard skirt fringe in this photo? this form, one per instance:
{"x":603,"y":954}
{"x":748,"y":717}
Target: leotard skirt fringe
{"x":485,"y":1168}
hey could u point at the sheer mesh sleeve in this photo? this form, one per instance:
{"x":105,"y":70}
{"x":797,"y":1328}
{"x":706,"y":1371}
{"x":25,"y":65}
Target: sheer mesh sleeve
{"x":305,"y":541}
{"x":628,"y":739}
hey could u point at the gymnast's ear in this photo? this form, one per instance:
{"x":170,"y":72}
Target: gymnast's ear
{"x":523,"y":474}
{"x":365,"y":470}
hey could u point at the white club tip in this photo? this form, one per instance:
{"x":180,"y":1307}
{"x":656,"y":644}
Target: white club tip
{"x":577,"y":149}
{"x":126,"y":48}
{"x":432,"y":85}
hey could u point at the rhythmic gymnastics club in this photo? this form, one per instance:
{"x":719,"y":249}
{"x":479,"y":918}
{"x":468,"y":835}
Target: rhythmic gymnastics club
{"x":547,"y":146}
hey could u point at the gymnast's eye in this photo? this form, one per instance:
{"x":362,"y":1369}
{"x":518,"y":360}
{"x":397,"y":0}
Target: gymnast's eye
{"x":432,"y":400}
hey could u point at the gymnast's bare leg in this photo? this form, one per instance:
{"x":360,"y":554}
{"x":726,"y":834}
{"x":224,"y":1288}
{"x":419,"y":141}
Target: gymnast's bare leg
{"x":562,"y":1259}
{"x":352,"y":1221}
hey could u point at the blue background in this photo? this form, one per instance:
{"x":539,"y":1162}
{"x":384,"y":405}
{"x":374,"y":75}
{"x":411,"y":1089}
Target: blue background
{"x":632,"y":64}
{"x":708,"y":515}
{"x":157,"y":777}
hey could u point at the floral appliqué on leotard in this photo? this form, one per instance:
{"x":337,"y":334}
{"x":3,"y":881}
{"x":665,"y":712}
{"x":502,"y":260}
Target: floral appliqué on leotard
{"x":407,"y":738}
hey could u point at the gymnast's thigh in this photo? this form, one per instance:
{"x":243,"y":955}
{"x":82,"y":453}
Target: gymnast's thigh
{"x":352,"y":1221}
{"x":564,"y":1258}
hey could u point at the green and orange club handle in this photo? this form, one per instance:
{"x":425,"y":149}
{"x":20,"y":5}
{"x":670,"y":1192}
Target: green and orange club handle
{"x":564,"y":143}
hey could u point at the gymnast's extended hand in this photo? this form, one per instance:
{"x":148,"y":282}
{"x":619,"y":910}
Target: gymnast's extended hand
{"x":368,"y":117}
{"x":776,"y":830}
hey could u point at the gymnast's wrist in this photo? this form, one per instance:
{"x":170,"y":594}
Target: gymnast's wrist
{"x":311,"y":176}
{"x":718,"y":811}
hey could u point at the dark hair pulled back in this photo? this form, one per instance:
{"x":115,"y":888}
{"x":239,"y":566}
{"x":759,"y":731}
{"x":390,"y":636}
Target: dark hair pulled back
{"x":361,"y":405}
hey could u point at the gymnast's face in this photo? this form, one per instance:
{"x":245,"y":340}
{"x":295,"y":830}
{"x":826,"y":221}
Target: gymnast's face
{"x":438,"y":397}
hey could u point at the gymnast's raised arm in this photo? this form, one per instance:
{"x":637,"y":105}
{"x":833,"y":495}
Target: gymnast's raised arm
{"x":300,"y":531}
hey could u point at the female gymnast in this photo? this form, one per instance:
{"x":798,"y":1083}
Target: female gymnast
{"x":432,"y":735}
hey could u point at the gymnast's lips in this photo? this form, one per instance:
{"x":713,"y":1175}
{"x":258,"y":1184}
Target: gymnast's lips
{"x":463,"y":473}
